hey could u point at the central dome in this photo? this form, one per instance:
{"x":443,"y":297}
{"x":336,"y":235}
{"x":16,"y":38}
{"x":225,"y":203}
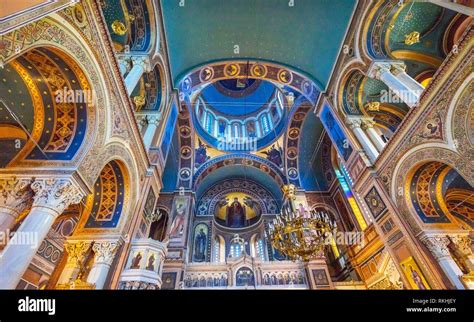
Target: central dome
{"x":238,"y":97}
{"x":240,"y":109}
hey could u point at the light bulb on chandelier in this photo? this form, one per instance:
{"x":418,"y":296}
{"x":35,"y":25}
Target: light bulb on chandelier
{"x":301,"y":235}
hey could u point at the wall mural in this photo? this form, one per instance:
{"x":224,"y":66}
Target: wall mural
{"x":236,"y":203}
{"x":200,"y":244}
{"x":237,"y":210}
{"x":413,"y":274}
{"x":244,"y":277}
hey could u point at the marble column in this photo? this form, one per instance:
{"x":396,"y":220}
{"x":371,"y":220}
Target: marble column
{"x":355,"y":124}
{"x":75,"y":256}
{"x":140,"y":65}
{"x":399,"y":70}
{"x":449,"y":4}
{"x":104,"y":255}
{"x":14,"y":197}
{"x":52,"y":196}
{"x":438,"y":246}
{"x":393,"y":74}
{"x":153,"y":121}
{"x":368,"y":126}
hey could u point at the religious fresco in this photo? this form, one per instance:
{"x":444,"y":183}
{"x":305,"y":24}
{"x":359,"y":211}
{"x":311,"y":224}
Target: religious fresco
{"x":244,"y":277}
{"x":179,"y":219}
{"x":237,"y":210}
{"x":413,"y":274}
{"x":200,"y":243}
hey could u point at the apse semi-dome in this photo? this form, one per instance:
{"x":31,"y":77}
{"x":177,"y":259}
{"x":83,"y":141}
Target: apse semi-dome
{"x":243,"y":113}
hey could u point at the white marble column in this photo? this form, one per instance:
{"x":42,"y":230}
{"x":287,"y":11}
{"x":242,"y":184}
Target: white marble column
{"x":355,"y":124}
{"x":75,"y":255}
{"x":104,"y":255}
{"x":52,"y":196}
{"x":140,"y":65}
{"x":152,"y":125}
{"x":438,"y":246}
{"x":14,"y":197}
{"x":399,"y":70}
{"x":449,"y":4}
{"x":368,"y":127}
{"x":393,"y":74}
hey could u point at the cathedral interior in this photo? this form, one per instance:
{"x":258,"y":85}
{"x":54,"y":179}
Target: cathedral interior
{"x":237,"y":144}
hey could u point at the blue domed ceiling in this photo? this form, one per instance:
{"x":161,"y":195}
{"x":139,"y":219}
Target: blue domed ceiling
{"x":236,"y":97}
{"x":306,"y":36}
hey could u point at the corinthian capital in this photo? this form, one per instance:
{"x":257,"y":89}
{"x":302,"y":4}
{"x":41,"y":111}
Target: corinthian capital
{"x":354,"y":122}
{"x":143,"y":61}
{"x":56,"y":194}
{"x":463,"y":243}
{"x":154,"y":119}
{"x":367,"y":123}
{"x":15,"y":193}
{"x":438,"y":245}
{"x":105,"y":251}
{"x":76,"y":252}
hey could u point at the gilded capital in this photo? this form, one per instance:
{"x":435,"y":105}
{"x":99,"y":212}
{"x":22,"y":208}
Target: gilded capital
{"x":367,"y":123}
{"x":463,"y":243}
{"x":76,"y":252}
{"x":15,"y":193}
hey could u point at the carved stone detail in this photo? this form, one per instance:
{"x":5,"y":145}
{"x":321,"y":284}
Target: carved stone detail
{"x":15,"y":194}
{"x":463,"y":244}
{"x":56,"y":194}
{"x":438,"y":246}
{"x":105,"y":252}
{"x":76,"y":252}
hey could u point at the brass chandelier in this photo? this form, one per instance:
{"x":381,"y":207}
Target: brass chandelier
{"x":300,"y":234}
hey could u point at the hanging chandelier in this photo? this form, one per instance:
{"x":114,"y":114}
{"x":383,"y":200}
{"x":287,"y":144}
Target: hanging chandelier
{"x":300,"y":234}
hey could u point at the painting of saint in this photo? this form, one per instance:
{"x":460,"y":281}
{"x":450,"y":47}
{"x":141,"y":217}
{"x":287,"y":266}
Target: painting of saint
{"x":221,"y":127}
{"x":413,"y":274}
{"x":151,"y":263}
{"x":200,"y":243}
{"x":235,"y":214}
{"x":251,"y":129}
{"x":244,"y":277}
{"x":201,"y":154}
{"x":274,"y":155}
{"x":136,"y":261}
{"x":177,"y":226}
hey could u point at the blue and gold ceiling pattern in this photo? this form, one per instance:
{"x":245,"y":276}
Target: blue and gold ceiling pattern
{"x":37,"y":88}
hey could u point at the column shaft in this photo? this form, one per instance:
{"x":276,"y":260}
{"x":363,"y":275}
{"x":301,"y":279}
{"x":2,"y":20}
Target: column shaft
{"x":16,"y":257}
{"x":52,"y":196}
{"x":376,"y":139}
{"x":133,"y":77}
